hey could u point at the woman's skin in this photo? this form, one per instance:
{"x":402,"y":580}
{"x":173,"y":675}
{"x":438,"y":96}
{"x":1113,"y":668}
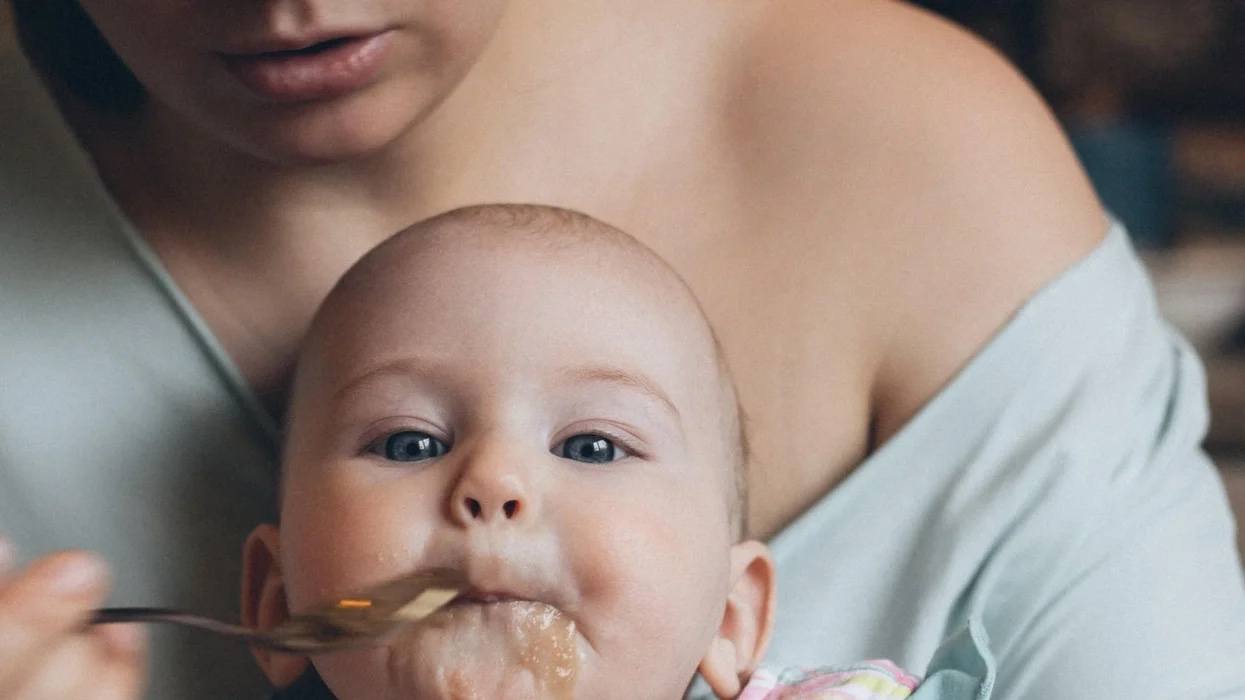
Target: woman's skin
{"x":860,"y":194}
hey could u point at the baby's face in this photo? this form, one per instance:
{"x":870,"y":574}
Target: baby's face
{"x":549,"y":425}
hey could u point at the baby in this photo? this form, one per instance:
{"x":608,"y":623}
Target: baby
{"x":532,"y":398}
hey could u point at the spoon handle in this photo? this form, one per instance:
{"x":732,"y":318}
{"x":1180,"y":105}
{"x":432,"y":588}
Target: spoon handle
{"x":302,"y":634}
{"x":104,"y":616}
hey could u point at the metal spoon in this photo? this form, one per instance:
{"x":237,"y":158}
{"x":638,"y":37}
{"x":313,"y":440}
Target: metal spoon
{"x":349,"y":621}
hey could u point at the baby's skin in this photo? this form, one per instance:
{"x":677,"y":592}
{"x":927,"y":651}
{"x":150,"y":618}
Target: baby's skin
{"x":532,"y":398}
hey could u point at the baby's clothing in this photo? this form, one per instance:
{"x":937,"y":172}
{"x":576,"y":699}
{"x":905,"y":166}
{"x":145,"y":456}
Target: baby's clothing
{"x":870,"y":680}
{"x":962,"y":668}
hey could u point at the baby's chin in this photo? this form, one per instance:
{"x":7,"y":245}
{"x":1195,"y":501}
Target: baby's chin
{"x":514,"y":650}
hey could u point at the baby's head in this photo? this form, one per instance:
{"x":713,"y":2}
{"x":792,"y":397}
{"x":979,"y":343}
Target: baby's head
{"x":530,"y":397}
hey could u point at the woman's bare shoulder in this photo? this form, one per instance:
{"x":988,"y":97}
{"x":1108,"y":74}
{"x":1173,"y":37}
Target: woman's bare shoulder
{"x":910,"y":143}
{"x":913,"y":114}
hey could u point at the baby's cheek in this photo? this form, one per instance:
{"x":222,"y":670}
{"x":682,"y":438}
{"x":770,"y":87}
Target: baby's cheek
{"x":652,"y":586}
{"x":336,"y":541}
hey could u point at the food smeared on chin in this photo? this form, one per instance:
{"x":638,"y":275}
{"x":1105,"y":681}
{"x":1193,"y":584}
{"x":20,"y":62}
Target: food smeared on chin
{"x":482,"y":648}
{"x":546,"y":639}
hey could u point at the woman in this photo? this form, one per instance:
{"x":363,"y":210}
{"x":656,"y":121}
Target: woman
{"x":861,"y":196}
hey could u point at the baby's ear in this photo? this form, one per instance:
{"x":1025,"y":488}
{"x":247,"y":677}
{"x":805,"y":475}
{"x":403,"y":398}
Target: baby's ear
{"x":263,"y":602}
{"x":747,"y":621}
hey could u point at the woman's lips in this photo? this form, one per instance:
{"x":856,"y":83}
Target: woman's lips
{"x":323,"y":70}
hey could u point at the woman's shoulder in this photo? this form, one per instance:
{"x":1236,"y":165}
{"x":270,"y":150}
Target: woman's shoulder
{"x":910,"y":143}
{"x":912,"y":113}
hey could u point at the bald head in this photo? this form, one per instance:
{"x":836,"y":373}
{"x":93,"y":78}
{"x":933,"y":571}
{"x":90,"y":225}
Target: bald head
{"x":550,"y":234}
{"x":470,"y":257}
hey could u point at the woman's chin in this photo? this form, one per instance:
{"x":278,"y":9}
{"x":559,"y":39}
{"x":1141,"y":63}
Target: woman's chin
{"x":321,"y":139}
{"x":517,"y":650}
{"x":325,"y":132}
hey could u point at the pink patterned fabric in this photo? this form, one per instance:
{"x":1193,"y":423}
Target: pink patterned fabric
{"x":870,"y":680}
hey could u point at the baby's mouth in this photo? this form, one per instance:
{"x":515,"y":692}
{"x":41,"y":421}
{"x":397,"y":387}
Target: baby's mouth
{"x":478,"y":597}
{"x":488,"y":643}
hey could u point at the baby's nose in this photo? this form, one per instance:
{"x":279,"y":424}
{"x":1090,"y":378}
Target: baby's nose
{"x":475,"y":509}
{"x":490,"y":494}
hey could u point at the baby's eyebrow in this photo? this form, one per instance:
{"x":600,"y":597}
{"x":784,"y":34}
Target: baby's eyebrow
{"x":614,"y":375}
{"x":405,"y":367}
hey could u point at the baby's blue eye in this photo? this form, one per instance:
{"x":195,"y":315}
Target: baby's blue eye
{"x":591,"y":448}
{"x":411,"y":446}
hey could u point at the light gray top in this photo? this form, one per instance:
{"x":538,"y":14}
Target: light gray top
{"x":1053,"y":492}
{"x":123,"y":428}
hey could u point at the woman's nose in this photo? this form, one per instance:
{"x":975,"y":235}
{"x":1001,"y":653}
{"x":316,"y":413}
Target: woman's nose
{"x":489,"y":491}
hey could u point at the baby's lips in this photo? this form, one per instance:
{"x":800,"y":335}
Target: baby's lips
{"x":501,"y":594}
{"x":502,"y":579}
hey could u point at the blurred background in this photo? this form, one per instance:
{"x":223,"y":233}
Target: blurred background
{"x":1152,"y":96}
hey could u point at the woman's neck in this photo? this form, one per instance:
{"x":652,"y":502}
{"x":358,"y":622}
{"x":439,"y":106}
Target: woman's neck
{"x":256,"y":245}
{"x":171,"y":179}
